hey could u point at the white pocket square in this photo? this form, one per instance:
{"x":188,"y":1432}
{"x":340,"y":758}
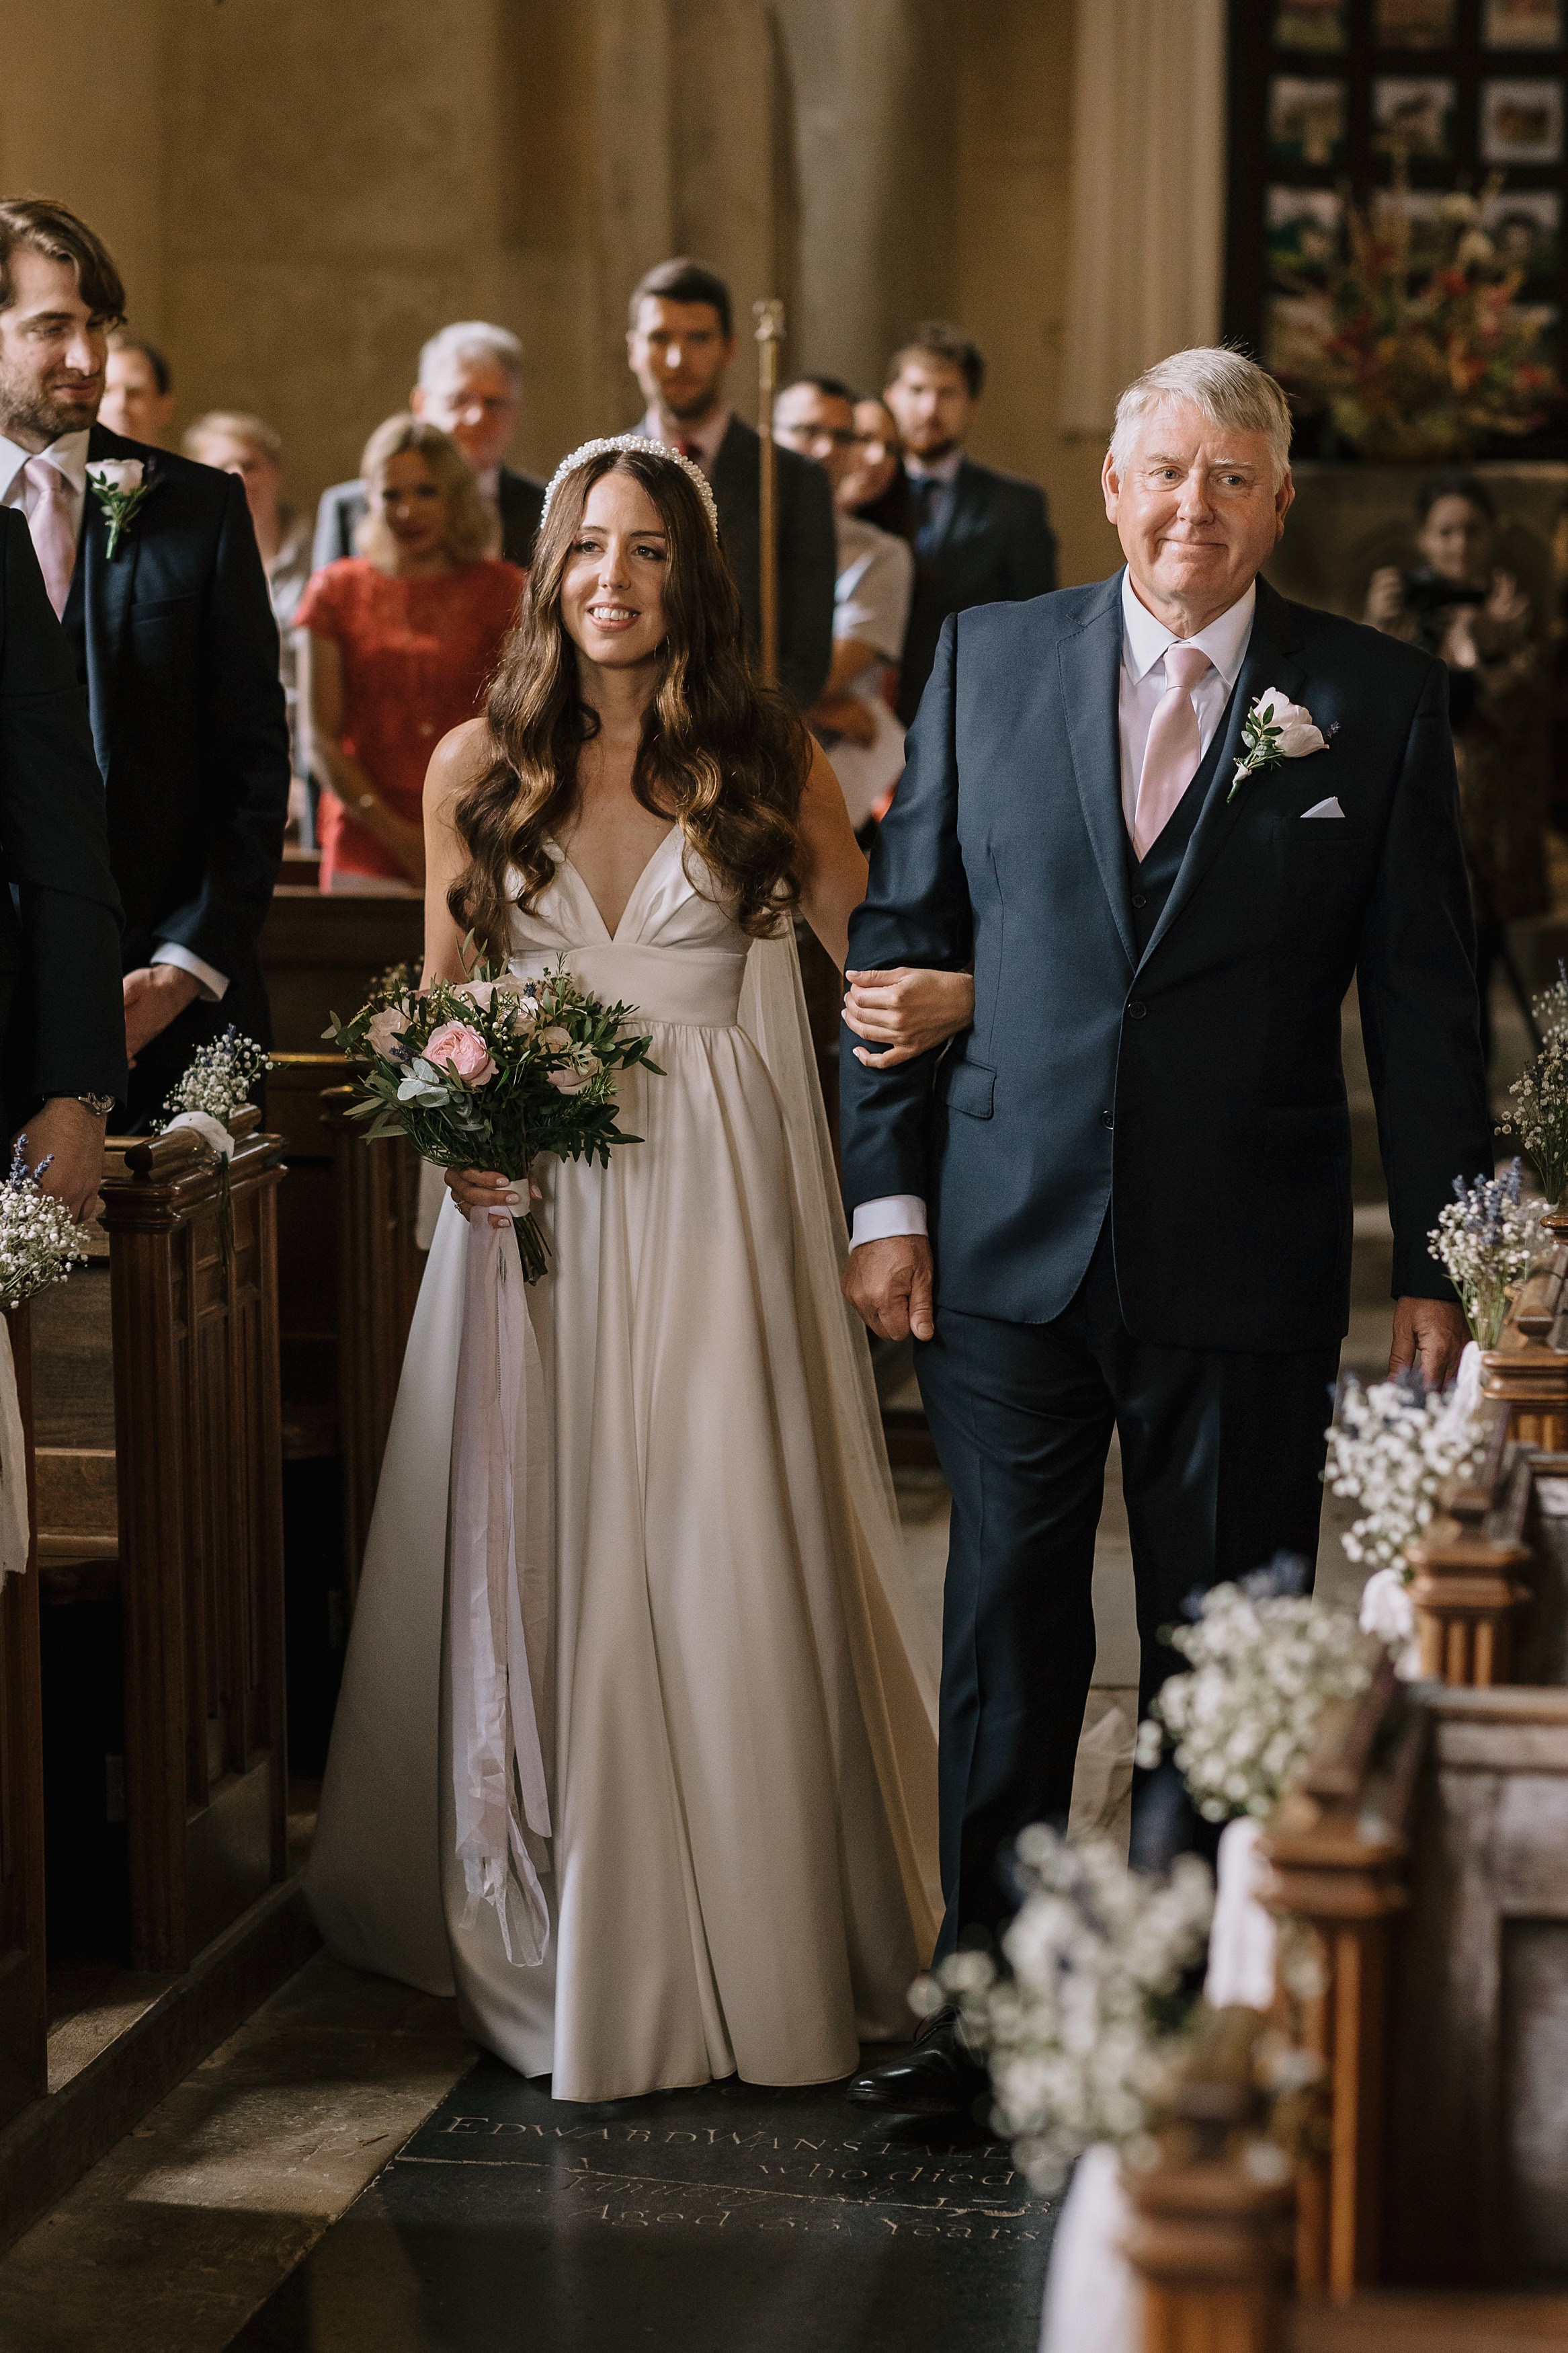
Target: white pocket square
{"x":1330,"y":807}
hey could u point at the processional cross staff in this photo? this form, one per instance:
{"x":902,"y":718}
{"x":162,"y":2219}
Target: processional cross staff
{"x":770,"y":318}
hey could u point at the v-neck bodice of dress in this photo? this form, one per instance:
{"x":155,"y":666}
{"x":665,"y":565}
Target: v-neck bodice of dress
{"x":676,"y":954}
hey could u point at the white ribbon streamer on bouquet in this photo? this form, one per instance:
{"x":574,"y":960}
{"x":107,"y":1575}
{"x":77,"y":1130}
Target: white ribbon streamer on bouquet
{"x":498,"y":1766}
{"x":13,"y":1528}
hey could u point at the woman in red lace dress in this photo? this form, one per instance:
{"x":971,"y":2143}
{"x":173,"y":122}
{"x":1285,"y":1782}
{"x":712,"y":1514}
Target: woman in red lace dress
{"x":396,"y":646}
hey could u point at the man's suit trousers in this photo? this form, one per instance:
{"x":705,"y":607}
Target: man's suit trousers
{"x":1222,"y":1456}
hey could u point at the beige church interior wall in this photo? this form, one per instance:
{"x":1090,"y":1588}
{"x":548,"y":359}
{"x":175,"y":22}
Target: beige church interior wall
{"x":300,"y":194}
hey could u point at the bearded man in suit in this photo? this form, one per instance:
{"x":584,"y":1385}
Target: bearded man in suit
{"x":982,"y":536}
{"x":680,"y":342}
{"x":471,"y":385}
{"x":151,"y":562}
{"x":1131,"y":1183}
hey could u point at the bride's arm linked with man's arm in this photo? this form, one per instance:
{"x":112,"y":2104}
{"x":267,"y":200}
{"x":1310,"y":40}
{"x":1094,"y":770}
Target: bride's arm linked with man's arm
{"x":905,"y":1012}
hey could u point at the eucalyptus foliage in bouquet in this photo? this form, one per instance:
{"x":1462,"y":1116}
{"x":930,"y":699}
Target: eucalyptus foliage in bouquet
{"x":1084,"y":2037}
{"x":488,"y":1072}
{"x":218,"y":1079}
{"x":1264,"y":1665}
{"x":1486,"y":1241}
{"x":40,"y":1241}
{"x":1397,"y":1448}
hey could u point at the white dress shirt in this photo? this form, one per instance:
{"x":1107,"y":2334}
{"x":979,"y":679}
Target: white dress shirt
{"x":69,"y":456}
{"x":1142,"y":682}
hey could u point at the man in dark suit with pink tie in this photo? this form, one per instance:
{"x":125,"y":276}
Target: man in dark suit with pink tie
{"x":151,"y":565}
{"x":1168,"y":818}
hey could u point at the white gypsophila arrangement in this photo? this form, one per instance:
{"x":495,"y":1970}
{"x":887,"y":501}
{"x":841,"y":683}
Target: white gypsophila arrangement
{"x":40,"y":1241}
{"x":1083,"y":2038}
{"x":1539,"y":1114}
{"x":1397,"y":1449}
{"x":1486,"y":1241}
{"x":1551,"y":1007}
{"x":218,"y":1078}
{"x":1264,"y":1663}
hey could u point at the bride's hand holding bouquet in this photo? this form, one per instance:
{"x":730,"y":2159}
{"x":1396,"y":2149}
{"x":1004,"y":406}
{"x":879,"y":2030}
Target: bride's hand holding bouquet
{"x":483,"y":1074}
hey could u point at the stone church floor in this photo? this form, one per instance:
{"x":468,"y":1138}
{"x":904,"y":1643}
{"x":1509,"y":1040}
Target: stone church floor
{"x":701,"y":2221}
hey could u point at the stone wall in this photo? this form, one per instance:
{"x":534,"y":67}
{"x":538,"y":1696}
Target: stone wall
{"x":300,"y":194}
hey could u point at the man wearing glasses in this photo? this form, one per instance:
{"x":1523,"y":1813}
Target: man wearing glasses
{"x":814,"y":417}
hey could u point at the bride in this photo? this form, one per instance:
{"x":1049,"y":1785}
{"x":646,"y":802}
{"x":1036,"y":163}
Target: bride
{"x":734,"y":1683}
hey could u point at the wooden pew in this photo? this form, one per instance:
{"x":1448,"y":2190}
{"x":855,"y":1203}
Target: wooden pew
{"x":1426,"y":1855}
{"x":179,"y":1519}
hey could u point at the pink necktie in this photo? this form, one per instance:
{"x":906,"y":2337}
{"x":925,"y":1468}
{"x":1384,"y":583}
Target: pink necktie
{"x":1174,"y":747}
{"x":54,"y":541}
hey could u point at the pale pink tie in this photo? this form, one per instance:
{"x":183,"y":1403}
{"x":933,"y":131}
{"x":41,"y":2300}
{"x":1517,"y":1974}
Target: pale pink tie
{"x":54,"y":541}
{"x":1174,"y":747}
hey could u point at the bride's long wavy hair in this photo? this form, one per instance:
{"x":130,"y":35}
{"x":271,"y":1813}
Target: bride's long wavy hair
{"x":722,"y":755}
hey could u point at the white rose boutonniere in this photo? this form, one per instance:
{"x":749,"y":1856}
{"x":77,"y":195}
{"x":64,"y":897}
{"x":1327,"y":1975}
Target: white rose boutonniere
{"x":120,"y":485}
{"x":1276,"y":729}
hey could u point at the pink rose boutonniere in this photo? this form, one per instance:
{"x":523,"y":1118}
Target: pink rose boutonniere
{"x":1274,"y":729}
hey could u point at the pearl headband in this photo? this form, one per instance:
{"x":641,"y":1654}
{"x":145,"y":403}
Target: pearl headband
{"x":630,"y":443}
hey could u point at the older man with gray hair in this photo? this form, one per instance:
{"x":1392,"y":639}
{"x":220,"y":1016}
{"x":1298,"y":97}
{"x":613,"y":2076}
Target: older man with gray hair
{"x":470,"y":384}
{"x":1168,"y":820}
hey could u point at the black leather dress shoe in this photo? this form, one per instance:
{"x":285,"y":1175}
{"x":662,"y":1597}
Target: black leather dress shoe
{"x":940,"y":2077}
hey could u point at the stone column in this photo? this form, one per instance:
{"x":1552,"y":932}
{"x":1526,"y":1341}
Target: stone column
{"x":80,"y":118}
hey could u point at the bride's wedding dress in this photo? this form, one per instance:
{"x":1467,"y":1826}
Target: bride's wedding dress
{"x":735,"y":1686}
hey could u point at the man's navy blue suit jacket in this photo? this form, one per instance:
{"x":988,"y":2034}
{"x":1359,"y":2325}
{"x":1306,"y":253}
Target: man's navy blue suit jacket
{"x":175,"y":640}
{"x":1198,"y":1088}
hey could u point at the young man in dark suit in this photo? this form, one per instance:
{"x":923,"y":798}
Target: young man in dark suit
{"x":983,"y":537}
{"x":679,"y":341}
{"x":151,"y":562}
{"x":1125,"y":1202}
{"x":471,"y":385}
{"x":62,"y":1029}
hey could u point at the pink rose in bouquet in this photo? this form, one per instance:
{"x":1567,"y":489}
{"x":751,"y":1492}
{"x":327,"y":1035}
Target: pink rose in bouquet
{"x":462,"y":1052}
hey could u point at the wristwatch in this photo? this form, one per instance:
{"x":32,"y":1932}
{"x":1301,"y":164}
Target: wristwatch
{"x":100,"y":1105}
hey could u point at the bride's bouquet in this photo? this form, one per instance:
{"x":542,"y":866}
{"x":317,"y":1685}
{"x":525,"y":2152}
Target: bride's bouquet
{"x":489,"y":1072}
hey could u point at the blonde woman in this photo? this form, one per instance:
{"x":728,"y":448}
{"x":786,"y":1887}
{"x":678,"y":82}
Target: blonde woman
{"x":396,"y":645}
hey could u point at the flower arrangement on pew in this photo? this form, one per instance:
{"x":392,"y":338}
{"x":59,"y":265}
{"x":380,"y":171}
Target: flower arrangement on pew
{"x":1085,"y":2031}
{"x":1265,"y":1659}
{"x":215,"y":1084}
{"x":1400,"y":1450}
{"x":488,"y":1072}
{"x":40,"y":1242}
{"x":1540,"y":1115}
{"x":1486,"y":1241}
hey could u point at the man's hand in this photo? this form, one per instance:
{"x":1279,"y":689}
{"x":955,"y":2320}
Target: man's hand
{"x":155,"y":995}
{"x":889,"y":1284}
{"x":70,"y":1138}
{"x":1431,"y":1335}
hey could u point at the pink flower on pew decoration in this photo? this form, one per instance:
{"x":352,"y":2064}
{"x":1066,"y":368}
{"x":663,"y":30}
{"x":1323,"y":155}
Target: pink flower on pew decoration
{"x":569,"y":1082}
{"x":462,"y":1052}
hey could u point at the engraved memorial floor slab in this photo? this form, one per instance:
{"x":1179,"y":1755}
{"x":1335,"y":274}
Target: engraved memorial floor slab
{"x":708,"y":2221}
